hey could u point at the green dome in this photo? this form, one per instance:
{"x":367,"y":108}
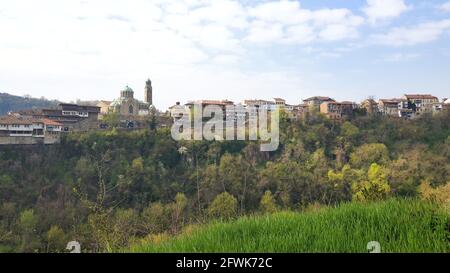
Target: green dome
{"x":127,"y":89}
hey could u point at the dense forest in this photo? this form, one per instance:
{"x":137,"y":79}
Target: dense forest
{"x":110,"y":189}
{"x":14,"y":103}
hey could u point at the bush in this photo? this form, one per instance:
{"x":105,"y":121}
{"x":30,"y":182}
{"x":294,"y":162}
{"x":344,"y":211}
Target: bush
{"x":224,"y":206}
{"x":267,"y":204}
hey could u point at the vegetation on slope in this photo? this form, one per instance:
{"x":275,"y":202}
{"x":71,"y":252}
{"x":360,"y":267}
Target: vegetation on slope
{"x":399,"y":226}
{"x":14,"y":103}
{"x":108,"y":189}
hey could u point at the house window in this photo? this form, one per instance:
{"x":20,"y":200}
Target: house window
{"x":130,"y":109}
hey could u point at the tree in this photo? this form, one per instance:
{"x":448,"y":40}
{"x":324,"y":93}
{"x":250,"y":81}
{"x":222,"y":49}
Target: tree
{"x":367,"y":154}
{"x":236,"y":176}
{"x":341,"y":183}
{"x":224,"y":206}
{"x":440,"y":195}
{"x":56,"y":239}
{"x":375,"y":188}
{"x":155,"y":218}
{"x":178,"y":208}
{"x":267,"y":204}
{"x":28,"y":221}
{"x":112,"y":119}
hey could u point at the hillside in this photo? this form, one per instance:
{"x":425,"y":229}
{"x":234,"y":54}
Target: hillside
{"x":399,"y":226}
{"x":14,"y":103}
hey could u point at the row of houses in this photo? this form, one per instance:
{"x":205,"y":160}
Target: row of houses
{"x":44,"y":126}
{"x":19,"y":130}
{"x":250,"y":108}
{"x":409,"y":106}
{"x":35,"y":126}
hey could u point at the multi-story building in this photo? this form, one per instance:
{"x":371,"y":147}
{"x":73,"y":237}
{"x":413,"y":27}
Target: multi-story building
{"x":260,"y":104}
{"x":315,"y":102}
{"x":389,"y":107}
{"x":423,"y":103}
{"x":280,"y":102}
{"x":410,"y":106}
{"x":337,"y":110}
{"x":220,"y":103}
{"x":18,"y":130}
{"x":177,"y":111}
{"x":446,"y":104}
{"x":69,"y":115}
{"x":371,"y":106}
{"x":104,"y":107}
{"x":301,"y":111}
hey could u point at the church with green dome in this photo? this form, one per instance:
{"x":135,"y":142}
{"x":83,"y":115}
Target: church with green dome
{"x":127,"y":105}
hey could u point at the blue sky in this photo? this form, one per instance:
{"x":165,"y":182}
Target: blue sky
{"x":223,"y":49}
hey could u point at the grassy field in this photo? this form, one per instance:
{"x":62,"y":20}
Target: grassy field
{"x":399,"y":226}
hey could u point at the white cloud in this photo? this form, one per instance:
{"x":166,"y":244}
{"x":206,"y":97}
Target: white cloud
{"x":338,"y":32}
{"x":286,"y":22}
{"x":299,"y":34}
{"x":284,"y":12}
{"x":263,"y":32}
{"x":409,"y":36}
{"x":330,"y":55}
{"x":226,"y":59}
{"x":384,"y":9}
{"x":400,"y":57}
{"x":105,"y":44}
{"x":445,"y":7}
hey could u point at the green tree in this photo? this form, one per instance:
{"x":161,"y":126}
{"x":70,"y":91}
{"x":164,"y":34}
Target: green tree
{"x":375,"y":188}
{"x":56,"y":239}
{"x":341,"y":183}
{"x":112,"y":119}
{"x":178,"y":211}
{"x":267,"y":203}
{"x":367,"y":154}
{"x":155,"y":218}
{"x":28,"y":221}
{"x":224,"y":206}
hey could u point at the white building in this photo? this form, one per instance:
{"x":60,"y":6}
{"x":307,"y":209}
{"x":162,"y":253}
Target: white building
{"x":19,"y":130}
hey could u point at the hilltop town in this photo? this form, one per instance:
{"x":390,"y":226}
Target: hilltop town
{"x":45,"y":125}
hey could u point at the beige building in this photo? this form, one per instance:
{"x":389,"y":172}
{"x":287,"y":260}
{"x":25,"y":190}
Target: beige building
{"x":104,"y":106}
{"x":315,"y":102}
{"x":389,"y":107}
{"x":337,"y":110}
{"x":423,"y":103}
{"x":370,"y":105}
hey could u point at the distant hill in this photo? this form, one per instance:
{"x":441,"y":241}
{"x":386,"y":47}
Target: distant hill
{"x":14,"y":103}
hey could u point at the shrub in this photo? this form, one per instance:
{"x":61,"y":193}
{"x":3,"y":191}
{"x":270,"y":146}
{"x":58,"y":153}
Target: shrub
{"x":224,"y":206}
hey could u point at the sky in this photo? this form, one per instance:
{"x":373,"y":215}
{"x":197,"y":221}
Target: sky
{"x":223,"y":49}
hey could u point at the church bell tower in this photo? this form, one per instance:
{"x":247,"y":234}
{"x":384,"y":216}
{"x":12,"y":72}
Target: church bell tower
{"x":148,"y":92}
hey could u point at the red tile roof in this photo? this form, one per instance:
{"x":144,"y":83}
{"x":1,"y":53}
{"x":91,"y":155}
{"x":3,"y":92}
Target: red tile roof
{"x":321,"y":98}
{"x":211,"y":102}
{"x":420,"y":96}
{"x":47,"y":121}
{"x":11,"y":119}
{"x":390,"y":101}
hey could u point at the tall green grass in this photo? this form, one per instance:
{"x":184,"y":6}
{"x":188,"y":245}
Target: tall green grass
{"x":399,"y":226}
